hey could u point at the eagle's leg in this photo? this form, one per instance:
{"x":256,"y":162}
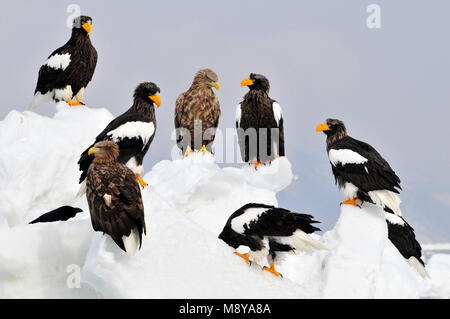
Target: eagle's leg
{"x":276,"y":156}
{"x":272,"y":270}
{"x":188,"y":151}
{"x":245,"y":256}
{"x":141,"y":181}
{"x":256,"y":163}
{"x":352,"y":201}
{"x":78,"y":102}
{"x":204,"y":150}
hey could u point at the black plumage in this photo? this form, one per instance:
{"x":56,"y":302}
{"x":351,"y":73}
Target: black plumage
{"x":402,"y":235}
{"x":365,"y":175}
{"x":133,"y":131}
{"x":259,"y":122}
{"x":359,"y":168}
{"x":69,"y":69}
{"x":62,"y":213}
{"x":267,"y":231}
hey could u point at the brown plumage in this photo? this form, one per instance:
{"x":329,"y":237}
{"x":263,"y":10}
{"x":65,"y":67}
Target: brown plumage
{"x":199,"y":103}
{"x":114,"y":198}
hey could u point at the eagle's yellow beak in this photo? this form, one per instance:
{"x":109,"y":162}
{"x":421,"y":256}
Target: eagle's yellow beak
{"x":322,"y":127}
{"x":216,"y":85}
{"x":93,"y":150}
{"x":156,"y":99}
{"x":247,"y":82}
{"x":87,"y":26}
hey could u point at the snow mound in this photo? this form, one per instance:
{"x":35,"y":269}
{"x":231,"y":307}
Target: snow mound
{"x":38,"y":158}
{"x":187,"y":203}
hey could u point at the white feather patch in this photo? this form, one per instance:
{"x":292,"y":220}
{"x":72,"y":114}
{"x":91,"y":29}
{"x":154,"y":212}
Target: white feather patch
{"x":82,"y":189}
{"x":250,"y":214}
{"x":277,"y":112}
{"x":301,"y":242}
{"x":242,"y":249}
{"x":133,"y":129}
{"x":387,"y":198}
{"x":59,"y":61}
{"x":133,"y":165}
{"x":131,"y":242}
{"x":107,"y":199}
{"x":413,"y":262}
{"x":238,"y":115}
{"x":394,"y":219}
{"x":350,"y":191}
{"x":345,"y":156}
{"x":64,"y":94}
{"x":41,"y":99}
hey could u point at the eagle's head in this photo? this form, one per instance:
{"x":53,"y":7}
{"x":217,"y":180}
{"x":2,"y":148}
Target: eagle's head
{"x":104,"y":151}
{"x":333,"y":128}
{"x":82,"y":23}
{"x":207,"y":77}
{"x":256,"y":82}
{"x":147,"y":92}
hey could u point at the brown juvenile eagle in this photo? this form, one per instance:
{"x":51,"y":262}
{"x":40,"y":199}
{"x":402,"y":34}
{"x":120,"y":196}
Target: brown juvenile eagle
{"x":114,"y":197}
{"x":197,"y":113}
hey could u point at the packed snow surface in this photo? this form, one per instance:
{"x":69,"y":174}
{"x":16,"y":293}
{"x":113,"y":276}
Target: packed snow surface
{"x":187,"y":203}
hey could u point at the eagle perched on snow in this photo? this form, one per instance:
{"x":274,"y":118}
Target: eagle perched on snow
{"x":366,"y":176}
{"x":197,"y":113}
{"x":69,"y":69}
{"x":114,"y":198}
{"x":261,"y":233}
{"x":259,"y":122}
{"x":133,"y":131}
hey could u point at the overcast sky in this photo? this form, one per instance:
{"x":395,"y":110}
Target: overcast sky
{"x":390,"y":85}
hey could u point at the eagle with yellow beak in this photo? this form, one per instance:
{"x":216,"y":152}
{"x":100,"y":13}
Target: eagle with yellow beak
{"x":133,"y":131}
{"x":259,"y":123}
{"x":197,"y":113}
{"x":69,"y":69}
{"x":114,"y":198}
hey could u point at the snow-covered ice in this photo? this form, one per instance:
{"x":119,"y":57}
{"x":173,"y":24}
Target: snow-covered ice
{"x":186,"y":205}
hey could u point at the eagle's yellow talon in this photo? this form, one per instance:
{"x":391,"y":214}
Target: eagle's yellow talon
{"x":245,"y":256}
{"x":204,"y":150}
{"x":188,"y":151}
{"x":256,"y":163}
{"x":141,"y":181}
{"x":272,"y":270}
{"x":351,"y":201}
{"x":78,"y":102}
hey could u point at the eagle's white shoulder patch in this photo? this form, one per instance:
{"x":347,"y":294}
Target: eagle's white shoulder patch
{"x":238,"y":115}
{"x":345,"y":156}
{"x":58,"y":61}
{"x":250,"y":214}
{"x":134,"y":129}
{"x":277,"y":112}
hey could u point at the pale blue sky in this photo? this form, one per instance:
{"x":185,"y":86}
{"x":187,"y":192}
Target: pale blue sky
{"x":390,"y":85}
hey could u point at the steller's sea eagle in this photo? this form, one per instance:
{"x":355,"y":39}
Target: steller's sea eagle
{"x":260,"y":233}
{"x":197,"y":113}
{"x":114,"y":197}
{"x":69,"y":69}
{"x":133,"y":131}
{"x":259,"y":123}
{"x":366,"y":176}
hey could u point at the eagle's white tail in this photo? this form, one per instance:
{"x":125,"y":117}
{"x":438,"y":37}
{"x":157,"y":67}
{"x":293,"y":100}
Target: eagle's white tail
{"x":413,"y":262}
{"x":303,"y":242}
{"x":387,"y":198}
{"x":82,"y":189}
{"x":131,"y":242}
{"x":40,"y":99}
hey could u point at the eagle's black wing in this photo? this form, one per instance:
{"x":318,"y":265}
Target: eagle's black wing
{"x":374,"y":174}
{"x":128,"y":146}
